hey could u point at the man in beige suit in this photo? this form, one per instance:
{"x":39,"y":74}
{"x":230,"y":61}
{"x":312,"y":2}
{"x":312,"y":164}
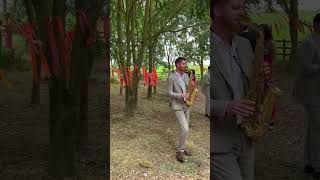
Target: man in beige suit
{"x":178,"y":83}
{"x":231,"y":58}
{"x":308,"y":94}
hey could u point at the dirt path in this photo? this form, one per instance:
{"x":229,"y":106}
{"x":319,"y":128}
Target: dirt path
{"x":24,"y":135}
{"x":280,"y":156}
{"x":150,"y":139}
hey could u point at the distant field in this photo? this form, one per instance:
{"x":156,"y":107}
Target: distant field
{"x":272,"y":18}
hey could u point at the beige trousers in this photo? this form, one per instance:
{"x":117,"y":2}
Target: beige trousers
{"x":183,"y":122}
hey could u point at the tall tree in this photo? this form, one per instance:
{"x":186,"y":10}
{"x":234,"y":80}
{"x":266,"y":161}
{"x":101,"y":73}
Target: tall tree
{"x":290,"y":7}
{"x":35,"y":92}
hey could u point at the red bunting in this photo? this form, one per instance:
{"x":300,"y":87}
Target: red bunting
{"x":126,"y":76}
{"x":155,"y":76}
{"x":53,"y":50}
{"x":65,"y":49}
{"x":85,"y":28}
{"x":27,"y":31}
{"x":145,"y":76}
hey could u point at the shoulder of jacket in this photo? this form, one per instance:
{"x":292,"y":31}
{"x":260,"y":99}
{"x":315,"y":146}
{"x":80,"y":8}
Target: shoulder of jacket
{"x":241,"y":39}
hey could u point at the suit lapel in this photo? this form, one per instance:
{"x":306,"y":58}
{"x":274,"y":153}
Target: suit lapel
{"x":244,"y":57}
{"x":221,"y":64}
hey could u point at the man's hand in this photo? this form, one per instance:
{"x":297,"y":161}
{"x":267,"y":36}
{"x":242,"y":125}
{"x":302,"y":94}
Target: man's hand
{"x":244,"y":108}
{"x":185,"y":95}
{"x":266,"y":67}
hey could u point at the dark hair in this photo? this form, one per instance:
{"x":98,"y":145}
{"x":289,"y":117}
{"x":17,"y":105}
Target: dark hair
{"x":179,"y":60}
{"x":193,"y":71}
{"x":214,"y":3}
{"x":316,"y":19}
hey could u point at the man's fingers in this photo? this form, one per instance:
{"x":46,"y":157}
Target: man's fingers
{"x":247,"y":102}
{"x":243,"y":111}
{"x":240,"y":113}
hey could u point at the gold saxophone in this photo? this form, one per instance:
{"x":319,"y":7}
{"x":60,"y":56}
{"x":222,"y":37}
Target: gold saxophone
{"x":192,"y":90}
{"x":264,"y":96}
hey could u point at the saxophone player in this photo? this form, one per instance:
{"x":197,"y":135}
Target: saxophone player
{"x":231,"y":57}
{"x":307,"y":93}
{"x":178,"y":83}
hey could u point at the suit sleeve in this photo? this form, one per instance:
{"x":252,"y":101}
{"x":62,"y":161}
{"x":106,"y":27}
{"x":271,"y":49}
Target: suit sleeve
{"x":172,"y":95}
{"x":305,"y":56}
{"x":217,"y":106}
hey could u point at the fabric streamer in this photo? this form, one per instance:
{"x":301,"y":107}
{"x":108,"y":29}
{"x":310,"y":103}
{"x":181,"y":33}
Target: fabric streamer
{"x":65,"y":49}
{"x":27,"y":31}
{"x":53,"y":50}
{"x":85,"y":28}
{"x":145,"y":76}
{"x":155,"y":76}
{"x":130,"y":73}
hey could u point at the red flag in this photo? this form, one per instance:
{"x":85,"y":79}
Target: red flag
{"x":53,"y":49}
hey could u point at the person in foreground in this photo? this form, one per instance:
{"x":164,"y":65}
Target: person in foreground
{"x":231,"y":58}
{"x":178,"y":83}
{"x":307,"y":93}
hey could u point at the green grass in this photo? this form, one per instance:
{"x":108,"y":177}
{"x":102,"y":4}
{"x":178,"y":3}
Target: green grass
{"x":276,"y":17}
{"x":161,"y":69}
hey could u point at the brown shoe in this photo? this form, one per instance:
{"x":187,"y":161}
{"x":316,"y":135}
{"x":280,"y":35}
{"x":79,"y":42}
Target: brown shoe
{"x":180,"y":156}
{"x":187,"y":152}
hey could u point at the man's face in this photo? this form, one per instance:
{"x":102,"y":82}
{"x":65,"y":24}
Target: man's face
{"x":231,"y":14}
{"x":182,"y":65}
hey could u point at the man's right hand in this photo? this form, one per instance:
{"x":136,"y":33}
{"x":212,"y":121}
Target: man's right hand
{"x":243,"y":108}
{"x":185,"y":95}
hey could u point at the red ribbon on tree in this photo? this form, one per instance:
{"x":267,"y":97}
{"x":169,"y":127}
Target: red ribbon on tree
{"x":136,"y":69}
{"x":27,"y":31}
{"x":130,"y":73}
{"x":145,"y":76}
{"x":66,"y":47}
{"x":85,"y":28}
{"x":155,"y":76}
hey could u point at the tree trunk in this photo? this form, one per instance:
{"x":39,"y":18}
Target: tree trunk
{"x":269,"y":6}
{"x":62,"y":120}
{"x":1,"y":40}
{"x":4,"y":4}
{"x":35,"y":92}
{"x":85,"y":64}
{"x":120,"y":43}
{"x":201,"y":70}
{"x":293,"y":16}
{"x":108,"y":60}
